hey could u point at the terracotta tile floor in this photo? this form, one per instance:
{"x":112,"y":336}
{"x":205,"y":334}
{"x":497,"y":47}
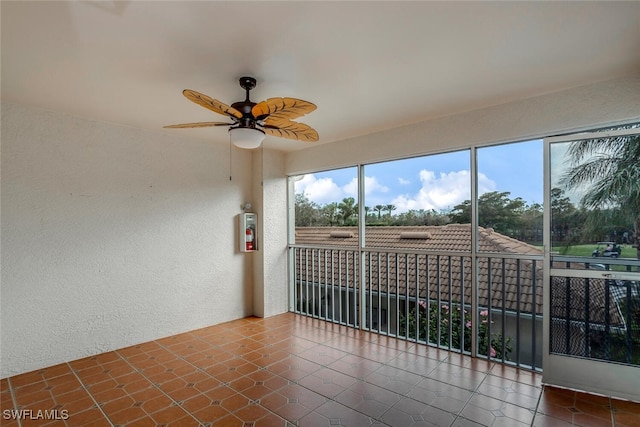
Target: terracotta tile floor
{"x":290,"y":370}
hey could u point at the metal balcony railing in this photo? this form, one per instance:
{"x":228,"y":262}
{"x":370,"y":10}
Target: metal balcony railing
{"x":427,"y":297}
{"x":596,"y":318}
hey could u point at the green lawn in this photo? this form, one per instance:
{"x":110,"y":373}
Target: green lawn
{"x":586,"y":250}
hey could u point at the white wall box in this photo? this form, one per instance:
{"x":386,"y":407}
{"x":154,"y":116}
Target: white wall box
{"x":247,"y":232}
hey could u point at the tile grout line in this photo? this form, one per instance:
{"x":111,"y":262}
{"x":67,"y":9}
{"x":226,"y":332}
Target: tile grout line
{"x":89,"y":393}
{"x":327,"y":398}
{"x":211,"y":376}
{"x":14,"y":399}
{"x":383,"y":364}
{"x":243,"y":376}
{"x":613,"y":416}
{"x":156,"y":386}
{"x":473,"y":393}
{"x":297,"y":382}
{"x":537,"y":406}
{"x":440,"y":362}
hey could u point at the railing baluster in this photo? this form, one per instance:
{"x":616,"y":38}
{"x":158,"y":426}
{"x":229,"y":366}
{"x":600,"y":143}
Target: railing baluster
{"x":462,"y":309}
{"x":389,"y":297}
{"x":340,"y":283}
{"x":629,"y":325}
{"x":439,"y":320}
{"x":417,"y":295}
{"x":296,"y":282}
{"x":534,"y":290}
{"x":313,"y":283}
{"x":347,"y":287}
{"x":369,"y":292}
{"x":607,"y":321}
{"x":489,"y":308}
{"x":379,"y":297}
{"x":326,"y":285}
{"x":504,"y":299}
{"x":518,"y":309}
{"x":333,"y":287}
{"x":450,"y":303}
{"x":329,"y":283}
{"x":356,"y":290}
{"x":406,"y":292}
{"x":567,"y":308}
{"x":397,"y":297}
{"x":428,"y":299}
{"x":587,"y":308}
{"x":306,"y":280}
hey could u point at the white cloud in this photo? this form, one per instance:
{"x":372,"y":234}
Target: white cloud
{"x":443,"y":191}
{"x":325,"y":190}
{"x":403,"y":181}
{"x":372,"y":186}
{"x":351,"y":188}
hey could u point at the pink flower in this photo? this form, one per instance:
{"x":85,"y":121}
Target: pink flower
{"x":484,"y":313}
{"x":493,"y":352}
{"x":468,"y":324}
{"x":445,"y":307}
{"x":423,"y":305}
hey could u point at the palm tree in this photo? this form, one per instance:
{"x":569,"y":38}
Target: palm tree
{"x":347,"y":208}
{"x":379,"y":208}
{"x":390,"y":208}
{"x":330,"y":212}
{"x":609,"y":169}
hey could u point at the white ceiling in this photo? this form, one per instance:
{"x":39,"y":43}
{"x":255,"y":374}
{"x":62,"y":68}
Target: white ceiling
{"x":368,"y":66}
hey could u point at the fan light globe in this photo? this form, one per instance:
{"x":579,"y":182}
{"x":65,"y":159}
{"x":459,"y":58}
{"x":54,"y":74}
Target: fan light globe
{"x":247,"y":138}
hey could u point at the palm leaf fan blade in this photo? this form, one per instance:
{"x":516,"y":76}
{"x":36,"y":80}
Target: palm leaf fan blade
{"x":292,"y":130}
{"x":211,"y":104}
{"x":197,"y":125}
{"x":282,"y":108}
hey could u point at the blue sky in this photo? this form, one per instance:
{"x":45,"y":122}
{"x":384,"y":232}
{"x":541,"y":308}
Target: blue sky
{"x":435,"y":182}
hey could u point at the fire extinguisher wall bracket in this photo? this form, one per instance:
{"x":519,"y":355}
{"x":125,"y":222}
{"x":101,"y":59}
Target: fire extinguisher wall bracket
{"x":248,"y":232}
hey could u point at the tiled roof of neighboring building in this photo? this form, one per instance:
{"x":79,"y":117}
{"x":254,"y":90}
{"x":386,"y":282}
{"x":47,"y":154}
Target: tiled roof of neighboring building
{"x":444,"y":272}
{"x":497,"y":276}
{"x":452,"y":237}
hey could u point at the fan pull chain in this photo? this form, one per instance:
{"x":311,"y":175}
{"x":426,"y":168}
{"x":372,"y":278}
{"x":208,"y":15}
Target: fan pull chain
{"x":230,"y":159}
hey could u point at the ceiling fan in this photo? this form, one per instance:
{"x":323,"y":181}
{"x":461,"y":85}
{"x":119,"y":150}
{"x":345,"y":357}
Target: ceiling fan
{"x":251,"y":121}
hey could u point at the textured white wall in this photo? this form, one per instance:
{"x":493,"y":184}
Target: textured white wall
{"x":270,"y":264}
{"x":571,"y":110}
{"x":113,"y":236}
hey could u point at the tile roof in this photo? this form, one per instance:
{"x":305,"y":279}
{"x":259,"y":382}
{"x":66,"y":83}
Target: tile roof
{"x":451,"y":237}
{"x":389,"y":273}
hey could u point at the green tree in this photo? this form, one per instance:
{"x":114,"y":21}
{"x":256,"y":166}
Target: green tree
{"x":421,"y":217}
{"x":306,"y":211}
{"x":609,"y":169}
{"x":378,"y":208}
{"x":495,"y":210}
{"x":330,"y":213}
{"x":389,"y":209}
{"x":347,"y":208}
{"x":531,"y":220}
{"x":565,"y":218}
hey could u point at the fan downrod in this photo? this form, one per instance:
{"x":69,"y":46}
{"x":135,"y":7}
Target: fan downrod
{"x":247,"y":120}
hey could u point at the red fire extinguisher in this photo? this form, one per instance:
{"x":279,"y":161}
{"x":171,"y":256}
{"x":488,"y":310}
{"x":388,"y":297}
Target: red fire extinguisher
{"x":249,"y":239}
